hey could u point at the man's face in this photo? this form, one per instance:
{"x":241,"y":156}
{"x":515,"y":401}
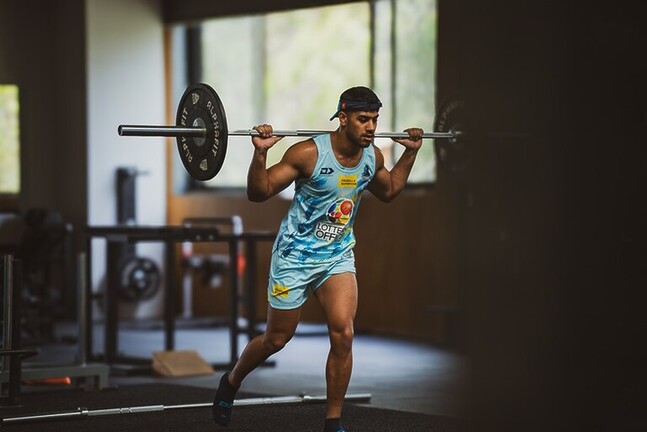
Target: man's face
{"x":360,"y":126}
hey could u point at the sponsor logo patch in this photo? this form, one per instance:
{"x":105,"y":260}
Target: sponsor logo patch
{"x":347,"y":181}
{"x":340,"y":211}
{"x":328,"y":232}
{"x":338,"y":215}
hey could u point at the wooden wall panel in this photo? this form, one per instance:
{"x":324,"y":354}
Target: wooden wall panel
{"x":397,"y":259}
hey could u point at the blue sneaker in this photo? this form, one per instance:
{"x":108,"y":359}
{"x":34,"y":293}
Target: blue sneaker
{"x":333,"y":425}
{"x":223,"y":403}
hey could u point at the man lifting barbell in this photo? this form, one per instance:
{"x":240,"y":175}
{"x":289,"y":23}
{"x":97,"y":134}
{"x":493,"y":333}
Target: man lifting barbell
{"x":313,"y":251}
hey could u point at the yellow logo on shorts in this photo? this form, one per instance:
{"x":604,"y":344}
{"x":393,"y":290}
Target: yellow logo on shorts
{"x":347,"y":181}
{"x":280,"y":291}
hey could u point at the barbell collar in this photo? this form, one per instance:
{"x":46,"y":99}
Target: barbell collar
{"x":195,"y":132}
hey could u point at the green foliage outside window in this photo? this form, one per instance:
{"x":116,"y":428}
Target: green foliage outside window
{"x":288,"y":69}
{"x":9,"y":140}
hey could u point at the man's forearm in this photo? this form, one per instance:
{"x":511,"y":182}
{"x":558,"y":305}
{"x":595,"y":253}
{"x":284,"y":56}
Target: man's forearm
{"x":401,"y":170}
{"x":257,"y":179}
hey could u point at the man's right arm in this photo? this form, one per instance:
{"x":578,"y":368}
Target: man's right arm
{"x":262,"y":182}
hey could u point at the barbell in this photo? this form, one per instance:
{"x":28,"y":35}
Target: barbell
{"x":202,"y":134}
{"x":82,"y":412}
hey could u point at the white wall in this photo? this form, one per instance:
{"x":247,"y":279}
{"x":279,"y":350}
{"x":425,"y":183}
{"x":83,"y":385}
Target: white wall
{"x":126,"y":85}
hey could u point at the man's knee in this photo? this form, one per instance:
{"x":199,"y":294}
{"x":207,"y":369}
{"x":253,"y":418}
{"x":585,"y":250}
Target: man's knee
{"x":275,"y":342}
{"x":341,"y":339}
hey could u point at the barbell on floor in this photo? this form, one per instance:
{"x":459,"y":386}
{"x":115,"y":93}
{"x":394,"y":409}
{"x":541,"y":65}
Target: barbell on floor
{"x":85,"y":412}
{"x":202,"y":134}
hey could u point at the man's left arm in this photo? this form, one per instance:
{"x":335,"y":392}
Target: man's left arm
{"x":386,"y":185}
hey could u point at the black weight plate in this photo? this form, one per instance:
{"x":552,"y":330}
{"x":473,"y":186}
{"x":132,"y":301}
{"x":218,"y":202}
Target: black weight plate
{"x":140,"y":279}
{"x":200,"y":106}
{"x":451,"y":153}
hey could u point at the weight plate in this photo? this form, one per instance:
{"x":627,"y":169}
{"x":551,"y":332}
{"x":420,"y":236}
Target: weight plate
{"x":140,"y":279}
{"x":200,"y":106}
{"x":451,"y":153}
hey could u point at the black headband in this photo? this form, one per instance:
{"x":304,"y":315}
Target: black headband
{"x":356,"y":106}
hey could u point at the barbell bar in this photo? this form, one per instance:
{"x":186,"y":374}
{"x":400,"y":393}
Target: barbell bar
{"x":202,"y":135}
{"x":198,"y":132}
{"x":82,"y":412}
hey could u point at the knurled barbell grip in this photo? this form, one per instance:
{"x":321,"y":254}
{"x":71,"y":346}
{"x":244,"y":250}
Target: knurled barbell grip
{"x":178,"y":131}
{"x":309,"y":132}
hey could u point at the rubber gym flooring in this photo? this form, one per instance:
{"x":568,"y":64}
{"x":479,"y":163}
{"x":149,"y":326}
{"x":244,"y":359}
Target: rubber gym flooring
{"x":411,"y":384}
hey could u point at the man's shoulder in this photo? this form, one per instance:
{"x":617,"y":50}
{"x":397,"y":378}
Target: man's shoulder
{"x":303,"y":155}
{"x":306,"y":149}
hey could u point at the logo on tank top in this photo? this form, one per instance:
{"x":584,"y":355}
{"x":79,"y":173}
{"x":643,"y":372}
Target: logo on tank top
{"x":347,"y":181}
{"x":337,"y":215}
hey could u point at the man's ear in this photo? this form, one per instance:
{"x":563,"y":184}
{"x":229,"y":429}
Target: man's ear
{"x":343,"y":118}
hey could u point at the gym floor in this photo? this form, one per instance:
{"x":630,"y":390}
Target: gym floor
{"x":400,"y":375}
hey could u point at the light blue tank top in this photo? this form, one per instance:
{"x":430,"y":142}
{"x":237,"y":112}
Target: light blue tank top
{"x":319,"y":223}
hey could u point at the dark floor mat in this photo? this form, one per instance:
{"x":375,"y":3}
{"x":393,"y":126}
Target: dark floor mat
{"x":279,"y":418}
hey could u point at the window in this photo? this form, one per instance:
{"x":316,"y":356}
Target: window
{"x":9,"y":140}
{"x":288,"y":69}
{"x":415,"y":77}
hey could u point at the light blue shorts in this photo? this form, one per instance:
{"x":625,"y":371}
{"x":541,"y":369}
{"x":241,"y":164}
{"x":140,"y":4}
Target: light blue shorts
{"x":291,"y":283}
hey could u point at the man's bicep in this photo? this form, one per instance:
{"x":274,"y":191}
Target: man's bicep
{"x":297,"y":162}
{"x":281,"y":176}
{"x":380,"y":184}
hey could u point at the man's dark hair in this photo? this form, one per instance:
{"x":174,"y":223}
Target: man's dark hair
{"x":359,"y":94}
{"x":357,"y":99}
